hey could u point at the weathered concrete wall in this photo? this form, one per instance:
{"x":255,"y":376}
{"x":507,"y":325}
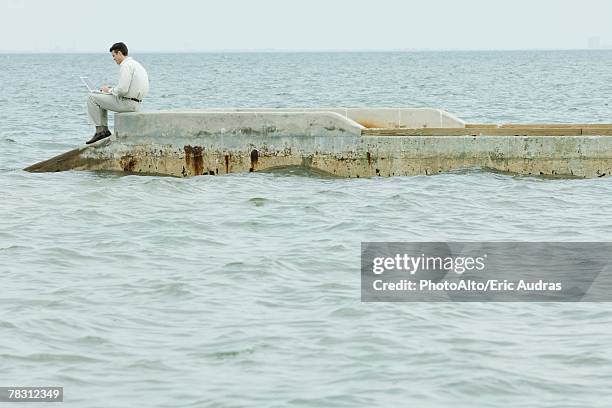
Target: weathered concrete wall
{"x":349,"y":156}
{"x":181,"y":143}
{"x":193,"y":125}
{"x":429,"y":118}
{"x":377,"y":117}
{"x":189,"y":143}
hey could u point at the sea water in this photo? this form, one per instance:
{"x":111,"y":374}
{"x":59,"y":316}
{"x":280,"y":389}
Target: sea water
{"x":244,"y":290}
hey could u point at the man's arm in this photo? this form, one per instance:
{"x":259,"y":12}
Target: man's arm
{"x":126,"y":72}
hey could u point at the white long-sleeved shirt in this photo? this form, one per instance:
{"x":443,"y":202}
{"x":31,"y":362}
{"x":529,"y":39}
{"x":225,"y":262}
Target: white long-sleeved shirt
{"x":133,"y":80}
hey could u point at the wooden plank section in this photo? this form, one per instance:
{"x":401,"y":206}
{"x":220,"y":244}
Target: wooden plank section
{"x":480,"y":125}
{"x":556,"y":125}
{"x":597,"y":132}
{"x":531,"y":131}
{"x":540,"y":125}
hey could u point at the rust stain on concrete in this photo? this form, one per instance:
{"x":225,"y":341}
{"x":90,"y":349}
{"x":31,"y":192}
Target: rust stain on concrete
{"x":369,"y":124}
{"x":254,"y":160}
{"x":194,"y":160}
{"x":128,"y":162}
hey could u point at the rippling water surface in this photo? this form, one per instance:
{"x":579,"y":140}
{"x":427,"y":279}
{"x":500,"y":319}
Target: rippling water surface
{"x":244,"y":290}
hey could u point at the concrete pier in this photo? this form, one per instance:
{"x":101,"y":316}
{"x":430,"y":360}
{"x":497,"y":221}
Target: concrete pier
{"x":337,"y":141}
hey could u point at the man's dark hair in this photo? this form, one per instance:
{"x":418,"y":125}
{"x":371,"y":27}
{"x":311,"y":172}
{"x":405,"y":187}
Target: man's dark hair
{"x":119,"y":47}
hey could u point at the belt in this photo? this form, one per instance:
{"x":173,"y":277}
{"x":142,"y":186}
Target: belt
{"x":134,"y":99}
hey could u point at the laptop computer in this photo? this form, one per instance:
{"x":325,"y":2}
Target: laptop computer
{"x":91,"y":87}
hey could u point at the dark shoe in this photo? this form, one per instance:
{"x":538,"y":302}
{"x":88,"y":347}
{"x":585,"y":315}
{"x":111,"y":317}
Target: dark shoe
{"x":99,"y":136}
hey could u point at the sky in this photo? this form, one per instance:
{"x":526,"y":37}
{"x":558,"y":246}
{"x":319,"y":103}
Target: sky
{"x":303,"y":25}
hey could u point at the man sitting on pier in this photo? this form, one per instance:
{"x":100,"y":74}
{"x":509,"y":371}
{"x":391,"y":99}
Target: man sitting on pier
{"x":132,"y":87}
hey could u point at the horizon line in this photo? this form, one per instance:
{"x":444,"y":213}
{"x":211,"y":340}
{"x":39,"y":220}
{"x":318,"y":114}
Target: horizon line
{"x":306,"y":51}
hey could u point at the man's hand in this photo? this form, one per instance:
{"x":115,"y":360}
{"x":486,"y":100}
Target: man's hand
{"x":106,"y":88}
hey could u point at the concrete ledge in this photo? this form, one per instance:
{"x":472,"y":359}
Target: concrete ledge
{"x":372,"y":117}
{"x":170,"y":126}
{"x":350,"y":156}
{"x":192,"y":143}
{"x":429,"y":118}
